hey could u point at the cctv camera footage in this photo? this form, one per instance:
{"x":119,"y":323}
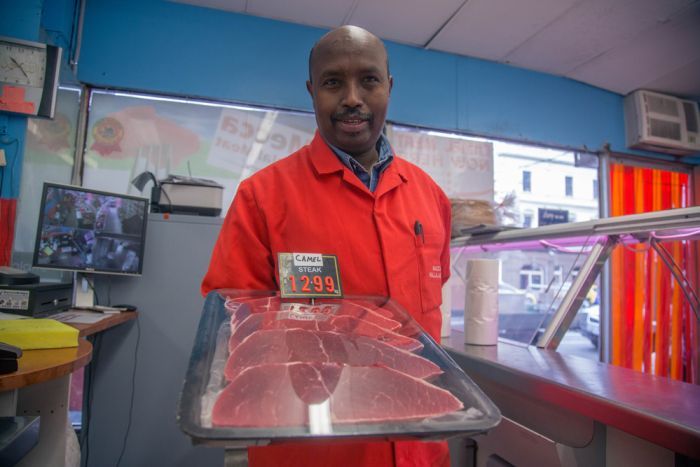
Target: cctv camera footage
{"x":90,"y":231}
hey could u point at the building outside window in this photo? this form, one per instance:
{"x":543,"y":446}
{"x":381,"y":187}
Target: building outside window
{"x":531,"y":277}
{"x":569,"y":186}
{"x":527,"y":181}
{"x":558,"y":275}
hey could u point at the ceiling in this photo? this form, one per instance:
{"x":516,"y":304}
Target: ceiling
{"x":618,"y":45}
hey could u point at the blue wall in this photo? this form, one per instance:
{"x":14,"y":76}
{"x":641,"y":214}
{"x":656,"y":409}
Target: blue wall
{"x":20,"y":20}
{"x":171,"y":48}
{"x":504,"y":101}
{"x":33,"y":20}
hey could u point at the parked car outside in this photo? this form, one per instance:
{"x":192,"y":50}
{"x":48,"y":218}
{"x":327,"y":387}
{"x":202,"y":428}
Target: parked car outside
{"x":514,"y":300}
{"x":591,"y":327}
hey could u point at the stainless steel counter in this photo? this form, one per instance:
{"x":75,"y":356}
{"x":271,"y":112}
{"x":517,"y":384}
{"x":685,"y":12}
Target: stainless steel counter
{"x":565,"y":395}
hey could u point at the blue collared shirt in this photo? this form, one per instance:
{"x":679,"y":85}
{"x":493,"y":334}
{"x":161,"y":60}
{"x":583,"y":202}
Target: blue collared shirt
{"x":371,"y":178}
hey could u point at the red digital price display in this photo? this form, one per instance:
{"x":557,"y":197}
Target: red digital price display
{"x":309,"y":275}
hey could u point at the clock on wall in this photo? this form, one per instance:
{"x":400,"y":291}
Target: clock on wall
{"x":28,"y":77}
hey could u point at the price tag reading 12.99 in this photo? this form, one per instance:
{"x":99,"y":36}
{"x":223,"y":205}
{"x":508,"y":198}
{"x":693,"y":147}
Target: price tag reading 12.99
{"x":309,"y":275}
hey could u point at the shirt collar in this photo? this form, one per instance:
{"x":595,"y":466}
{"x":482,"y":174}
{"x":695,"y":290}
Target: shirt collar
{"x":383,"y":149}
{"x":325,"y":161}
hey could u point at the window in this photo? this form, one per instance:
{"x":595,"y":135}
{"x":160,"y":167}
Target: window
{"x":527,"y":179}
{"x":518,"y":168}
{"x":173,"y":136}
{"x":531,"y":277}
{"x":48,"y":157}
{"x":595,"y":189}
{"x":558,"y":275}
{"x":462,"y":166}
{"x":569,"y":186}
{"x":527,"y":220}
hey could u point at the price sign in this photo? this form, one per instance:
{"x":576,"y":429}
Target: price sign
{"x":309,"y":275}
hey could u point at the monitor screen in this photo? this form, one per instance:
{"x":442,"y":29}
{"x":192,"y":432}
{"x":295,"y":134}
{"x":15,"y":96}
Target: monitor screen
{"x":92,"y":231}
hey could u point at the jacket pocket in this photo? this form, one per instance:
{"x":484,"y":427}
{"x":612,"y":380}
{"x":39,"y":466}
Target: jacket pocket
{"x":428,"y":249}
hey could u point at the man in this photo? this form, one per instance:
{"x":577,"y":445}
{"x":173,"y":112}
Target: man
{"x":346,"y":194}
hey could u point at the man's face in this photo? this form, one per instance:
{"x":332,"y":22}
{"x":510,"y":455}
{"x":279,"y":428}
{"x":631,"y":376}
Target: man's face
{"x":350,"y":88}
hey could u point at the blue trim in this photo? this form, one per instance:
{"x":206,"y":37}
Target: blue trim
{"x":167,"y":47}
{"x":22,"y":20}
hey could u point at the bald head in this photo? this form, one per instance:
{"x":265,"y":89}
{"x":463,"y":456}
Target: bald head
{"x":343,"y":38}
{"x":350,"y":85}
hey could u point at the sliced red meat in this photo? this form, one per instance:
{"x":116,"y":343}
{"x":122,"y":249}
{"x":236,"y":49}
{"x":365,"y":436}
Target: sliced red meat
{"x":278,"y":395}
{"x":242,"y":307}
{"x":340,"y":324}
{"x":299,"y":345}
{"x":241,"y":310}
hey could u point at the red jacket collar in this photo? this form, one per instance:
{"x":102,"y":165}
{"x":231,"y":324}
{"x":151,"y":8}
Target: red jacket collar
{"x":325,"y":161}
{"x":322,"y":156}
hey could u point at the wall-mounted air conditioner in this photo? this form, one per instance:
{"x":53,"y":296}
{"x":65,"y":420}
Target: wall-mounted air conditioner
{"x":662,"y":123}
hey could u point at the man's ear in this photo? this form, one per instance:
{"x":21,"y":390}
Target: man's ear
{"x":309,"y":88}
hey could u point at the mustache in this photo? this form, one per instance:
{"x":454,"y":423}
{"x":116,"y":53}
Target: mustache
{"x":351,"y":115}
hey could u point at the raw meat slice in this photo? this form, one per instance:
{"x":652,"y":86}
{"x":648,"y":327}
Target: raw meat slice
{"x":299,"y":345}
{"x":241,"y":310}
{"x":278,"y":395}
{"x":246,"y":305}
{"x":368,"y":314}
{"x":341,"y":324}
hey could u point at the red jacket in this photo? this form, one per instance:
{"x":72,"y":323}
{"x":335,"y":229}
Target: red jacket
{"x":311,"y":202}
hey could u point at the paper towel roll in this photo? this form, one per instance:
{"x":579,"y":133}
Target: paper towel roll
{"x":481,"y":302}
{"x":446,"y":308}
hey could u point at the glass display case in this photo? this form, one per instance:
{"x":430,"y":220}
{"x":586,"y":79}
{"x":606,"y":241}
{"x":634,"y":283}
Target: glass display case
{"x":549,"y":277}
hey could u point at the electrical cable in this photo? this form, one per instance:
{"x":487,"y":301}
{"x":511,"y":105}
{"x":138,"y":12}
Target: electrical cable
{"x":8,"y":142}
{"x":561,"y":249}
{"x":5,"y":236}
{"x":85,"y":430}
{"x":634,"y":249}
{"x":14,"y":165}
{"x":73,"y":28}
{"x":92,"y":286}
{"x":568,"y":274}
{"x":109,"y":290}
{"x":676,"y":236}
{"x":170,"y":202}
{"x":133,"y":391}
{"x":678,"y":273}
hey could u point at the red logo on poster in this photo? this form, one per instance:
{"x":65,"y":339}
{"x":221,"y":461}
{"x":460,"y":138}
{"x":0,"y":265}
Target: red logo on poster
{"x":107,"y":133}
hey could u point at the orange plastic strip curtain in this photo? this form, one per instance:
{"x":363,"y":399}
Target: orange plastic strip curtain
{"x":8,"y":210}
{"x":652,"y":327}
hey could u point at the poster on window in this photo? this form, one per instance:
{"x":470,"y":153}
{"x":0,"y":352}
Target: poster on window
{"x":246,"y":141}
{"x":462,"y":167}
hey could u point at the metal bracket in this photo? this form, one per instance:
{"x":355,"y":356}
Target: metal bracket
{"x":678,"y":274}
{"x":569,"y":306}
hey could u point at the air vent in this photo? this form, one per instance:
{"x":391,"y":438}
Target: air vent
{"x":662,"y":105}
{"x":665,"y":129}
{"x":690,"y":109}
{"x":660,"y":123}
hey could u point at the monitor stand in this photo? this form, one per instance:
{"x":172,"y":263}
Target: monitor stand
{"x":83,"y":293}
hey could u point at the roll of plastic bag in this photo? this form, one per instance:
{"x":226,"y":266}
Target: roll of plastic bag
{"x":481,"y":302}
{"x":446,"y":308}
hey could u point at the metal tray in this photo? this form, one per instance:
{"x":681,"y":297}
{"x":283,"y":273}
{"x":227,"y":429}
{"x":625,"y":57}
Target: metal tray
{"x":205,"y":373}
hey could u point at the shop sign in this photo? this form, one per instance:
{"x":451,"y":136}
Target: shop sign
{"x":309,"y":275}
{"x":552,"y":216}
